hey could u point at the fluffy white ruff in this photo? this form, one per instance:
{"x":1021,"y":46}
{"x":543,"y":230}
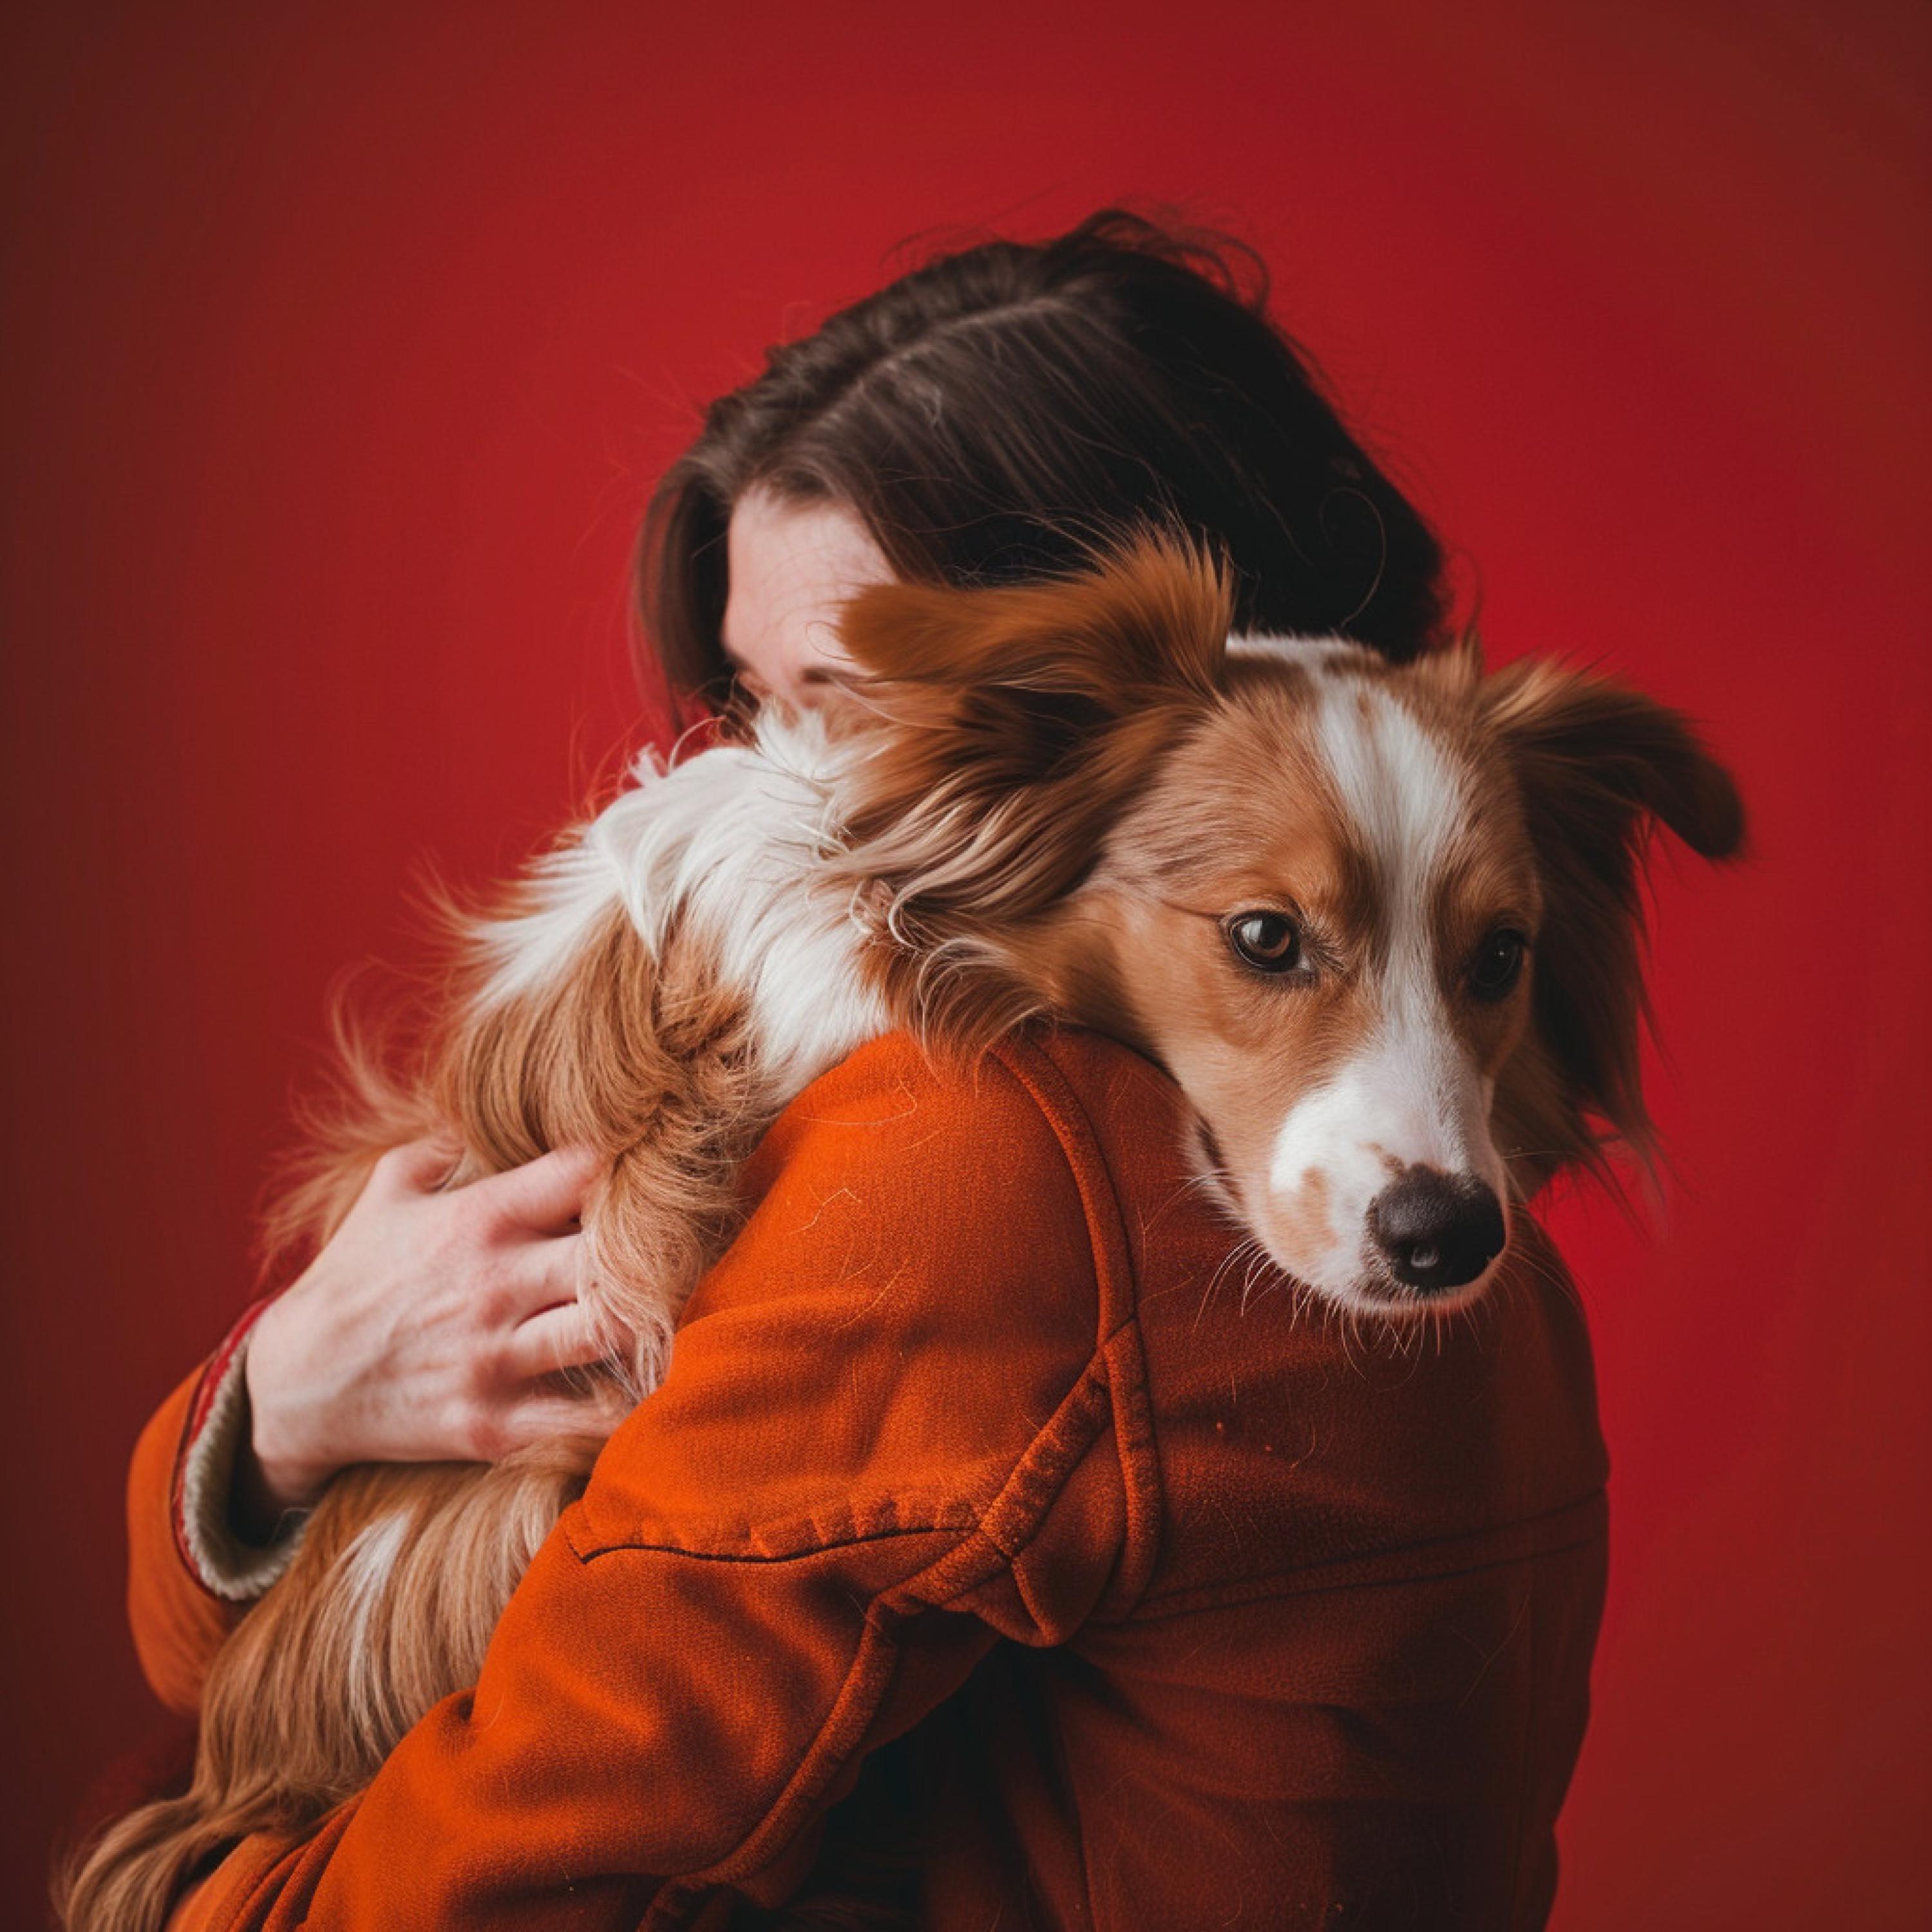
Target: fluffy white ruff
{"x":726,"y":846}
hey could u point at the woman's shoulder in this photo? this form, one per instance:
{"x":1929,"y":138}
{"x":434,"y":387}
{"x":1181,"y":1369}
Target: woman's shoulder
{"x":950,"y":1198}
{"x":956,"y":1179}
{"x":1043,"y":1110}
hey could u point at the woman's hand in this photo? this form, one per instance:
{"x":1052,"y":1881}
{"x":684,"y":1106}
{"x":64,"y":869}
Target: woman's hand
{"x":423,"y":1331}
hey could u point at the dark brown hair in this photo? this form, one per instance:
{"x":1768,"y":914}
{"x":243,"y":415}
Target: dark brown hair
{"x":994,"y":414}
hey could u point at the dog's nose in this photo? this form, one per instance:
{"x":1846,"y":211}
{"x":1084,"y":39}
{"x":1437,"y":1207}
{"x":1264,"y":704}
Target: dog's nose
{"x":1437,"y":1231}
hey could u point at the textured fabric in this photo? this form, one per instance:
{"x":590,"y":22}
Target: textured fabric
{"x":178,"y":1622}
{"x":986,"y":1498}
{"x":223,"y":1562}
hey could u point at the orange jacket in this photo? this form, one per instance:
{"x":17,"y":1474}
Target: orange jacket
{"x":1185,"y":1606}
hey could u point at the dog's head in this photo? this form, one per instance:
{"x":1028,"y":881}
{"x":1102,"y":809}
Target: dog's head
{"x":1382,"y":924}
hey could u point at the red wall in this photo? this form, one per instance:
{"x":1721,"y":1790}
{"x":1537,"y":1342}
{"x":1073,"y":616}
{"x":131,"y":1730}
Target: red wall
{"x":342,"y":344}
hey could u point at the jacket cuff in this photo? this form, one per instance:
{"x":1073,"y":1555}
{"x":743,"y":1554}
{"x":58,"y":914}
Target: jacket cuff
{"x":214,"y":1553}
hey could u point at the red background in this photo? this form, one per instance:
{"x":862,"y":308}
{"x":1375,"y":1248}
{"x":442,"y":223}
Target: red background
{"x":343,"y":344}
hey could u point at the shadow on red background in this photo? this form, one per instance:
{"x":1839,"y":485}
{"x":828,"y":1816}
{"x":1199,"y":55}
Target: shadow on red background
{"x":342,"y":345}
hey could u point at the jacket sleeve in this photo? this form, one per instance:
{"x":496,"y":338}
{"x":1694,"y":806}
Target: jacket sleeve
{"x":886,"y":1441}
{"x":189,"y":1573}
{"x":177,"y":1625}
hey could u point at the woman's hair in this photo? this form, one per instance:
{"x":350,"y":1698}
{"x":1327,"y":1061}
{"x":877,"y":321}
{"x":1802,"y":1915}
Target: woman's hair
{"x":994,"y":414}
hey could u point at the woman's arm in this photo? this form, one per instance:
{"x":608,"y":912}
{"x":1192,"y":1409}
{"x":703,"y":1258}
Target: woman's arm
{"x":886,"y":1439}
{"x":425,"y":1330}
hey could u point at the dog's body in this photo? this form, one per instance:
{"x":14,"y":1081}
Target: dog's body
{"x":1381,"y":925}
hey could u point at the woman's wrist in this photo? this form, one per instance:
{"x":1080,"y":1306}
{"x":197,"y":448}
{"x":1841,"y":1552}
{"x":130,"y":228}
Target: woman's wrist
{"x":275,"y":1471}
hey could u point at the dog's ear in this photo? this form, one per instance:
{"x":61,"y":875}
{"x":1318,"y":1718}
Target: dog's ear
{"x":1001,"y":727}
{"x":1036,"y":671}
{"x":1610,"y":757}
{"x":1008,"y":726}
{"x":1597,"y":767}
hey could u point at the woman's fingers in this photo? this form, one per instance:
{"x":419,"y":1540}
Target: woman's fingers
{"x":531,"y":1275}
{"x":418,"y":1167}
{"x":544,"y":1195}
{"x":561,"y":1337}
{"x":597,"y":1412}
{"x":432,"y":1325}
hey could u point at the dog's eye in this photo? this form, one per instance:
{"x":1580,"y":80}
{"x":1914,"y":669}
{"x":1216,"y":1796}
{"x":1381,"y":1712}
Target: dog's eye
{"x":1497,"y":964}
{"x":1270,"y":942}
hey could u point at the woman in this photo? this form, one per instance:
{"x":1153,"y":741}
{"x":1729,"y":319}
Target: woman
{"x":969,"y":1517}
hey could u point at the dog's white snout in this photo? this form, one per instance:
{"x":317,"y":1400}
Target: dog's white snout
{"x":1387,"y":1177}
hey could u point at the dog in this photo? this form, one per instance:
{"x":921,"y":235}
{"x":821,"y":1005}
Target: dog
{"x":1381,"y":924}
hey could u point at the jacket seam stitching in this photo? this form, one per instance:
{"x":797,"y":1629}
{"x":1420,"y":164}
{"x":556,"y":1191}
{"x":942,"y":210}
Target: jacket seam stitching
{"x":590,"y":1554}
{"x":1143,"y":1494}
{"x":1092,"y":1384}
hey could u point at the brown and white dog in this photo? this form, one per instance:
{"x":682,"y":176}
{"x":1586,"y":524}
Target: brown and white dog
{"x":1382,"y":925}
